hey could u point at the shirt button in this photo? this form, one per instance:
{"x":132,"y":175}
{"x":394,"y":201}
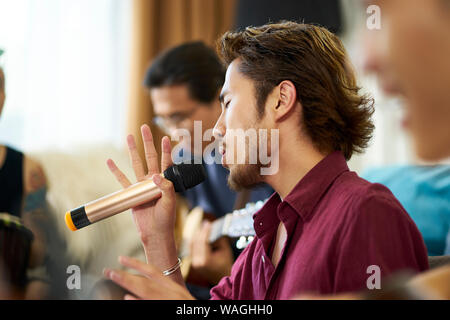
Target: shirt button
{"x":260,"y":224}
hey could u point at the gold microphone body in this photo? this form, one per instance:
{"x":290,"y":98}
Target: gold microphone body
{"x":183,"y":176}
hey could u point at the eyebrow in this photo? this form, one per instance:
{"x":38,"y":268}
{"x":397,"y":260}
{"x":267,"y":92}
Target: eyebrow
{"x":171,"y":114}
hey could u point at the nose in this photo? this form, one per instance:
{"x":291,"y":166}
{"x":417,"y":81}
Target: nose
{"x":371,"y":61}
{"x":219,"y":128}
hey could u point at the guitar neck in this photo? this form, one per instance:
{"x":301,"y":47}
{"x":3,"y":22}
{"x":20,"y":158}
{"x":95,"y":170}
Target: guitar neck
{"x":237,"y":224}
{"x":218,"y":228}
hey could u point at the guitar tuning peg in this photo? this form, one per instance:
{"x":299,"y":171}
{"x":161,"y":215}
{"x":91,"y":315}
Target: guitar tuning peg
{"x":249,"y":206}
{"x":241,"y":243}
{"x":249,"y":240}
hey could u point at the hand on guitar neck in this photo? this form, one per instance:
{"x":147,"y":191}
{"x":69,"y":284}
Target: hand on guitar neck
{"x":206,"y":246}
{"x":213,"y":261}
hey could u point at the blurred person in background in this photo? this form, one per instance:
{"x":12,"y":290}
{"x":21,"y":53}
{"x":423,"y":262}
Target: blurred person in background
{"x":184,"y":83}
{"x":15,"y":245}
{"x":21,"y":179}
{"x":410,"y":55}
{"x":23,"y":189}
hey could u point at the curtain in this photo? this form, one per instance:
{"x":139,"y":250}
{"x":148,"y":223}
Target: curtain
{"x":158,"y":25}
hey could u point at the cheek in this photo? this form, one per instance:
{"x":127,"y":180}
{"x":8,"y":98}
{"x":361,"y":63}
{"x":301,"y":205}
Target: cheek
{"x":429,"y":116}
{"x":416,"y":44}
{"x":420,"y":58}
{"x":233,"y":119}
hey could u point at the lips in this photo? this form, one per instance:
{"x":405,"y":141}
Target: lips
{"x":406,"y":119}
{"x":391,"y":90}
{"x":222,"y":152}
{"x":389,"y":85}
{"x":222,"y":148}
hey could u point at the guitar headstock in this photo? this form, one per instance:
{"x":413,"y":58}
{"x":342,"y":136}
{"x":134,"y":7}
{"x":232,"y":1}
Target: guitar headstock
{"x":237,"y":224}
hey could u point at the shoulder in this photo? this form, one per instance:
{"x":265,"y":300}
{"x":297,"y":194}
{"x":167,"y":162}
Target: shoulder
{"x":370,"y":202}
{"x":376,"y":197}
{"x":359,"y":191}
{"x":34,"y":175}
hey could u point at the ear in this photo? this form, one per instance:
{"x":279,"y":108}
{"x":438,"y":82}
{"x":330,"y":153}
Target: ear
{"x":284,"y":100}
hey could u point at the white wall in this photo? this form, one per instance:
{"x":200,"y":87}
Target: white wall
{"x":66,"y":65}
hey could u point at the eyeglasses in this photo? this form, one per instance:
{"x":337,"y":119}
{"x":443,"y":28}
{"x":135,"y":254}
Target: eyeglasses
{"x":174,"y":121}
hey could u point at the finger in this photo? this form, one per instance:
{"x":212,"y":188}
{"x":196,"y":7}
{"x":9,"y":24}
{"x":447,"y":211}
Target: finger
{"x":205,"y":232}
{"x":120,"y":176}
{"x":151,"y":157}
{"x":136,"y":161}
{"x":197,"y":253}
{"x":201,"y":249}
{"x":166,"y":188}
{"x":144,"y":268}
{"x":130,"y":297}
{"x":138,"y":286}
{"x":166,"y":157}
{"x":204,"y":239}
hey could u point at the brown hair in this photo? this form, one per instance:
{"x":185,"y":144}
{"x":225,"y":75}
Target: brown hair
{"x":335,"y":115}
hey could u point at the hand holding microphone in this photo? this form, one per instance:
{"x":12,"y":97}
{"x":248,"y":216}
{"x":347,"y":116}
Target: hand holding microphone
{"x":183,"y":177}
{"x":152,"y":198}
{"x":154,"y":213}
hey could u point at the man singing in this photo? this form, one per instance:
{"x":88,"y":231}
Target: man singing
{"x":184,"y":83}
{"x":325,"y":227}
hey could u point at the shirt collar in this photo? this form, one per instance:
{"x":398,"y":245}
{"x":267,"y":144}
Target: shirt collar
{"x":310,"y":189}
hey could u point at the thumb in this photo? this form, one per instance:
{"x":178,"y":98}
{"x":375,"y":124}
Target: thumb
{"x":165,"y":186}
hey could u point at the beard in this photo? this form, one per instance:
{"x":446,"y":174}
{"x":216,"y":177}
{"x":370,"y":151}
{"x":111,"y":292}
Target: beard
{"x":244,"y":176}
{"x":248,"y":175}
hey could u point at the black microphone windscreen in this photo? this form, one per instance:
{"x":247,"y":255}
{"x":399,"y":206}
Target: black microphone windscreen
{"x":185,"y":176}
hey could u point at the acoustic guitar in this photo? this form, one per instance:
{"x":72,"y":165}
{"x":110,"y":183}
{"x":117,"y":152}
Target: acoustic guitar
{"x":235,"y":225}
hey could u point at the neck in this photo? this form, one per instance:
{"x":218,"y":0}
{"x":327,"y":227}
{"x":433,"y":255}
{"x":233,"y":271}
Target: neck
{"x":296,"y":159}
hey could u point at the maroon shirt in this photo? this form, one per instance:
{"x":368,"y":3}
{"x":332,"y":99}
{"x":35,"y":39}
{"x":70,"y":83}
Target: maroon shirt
{"x":337,"y":226}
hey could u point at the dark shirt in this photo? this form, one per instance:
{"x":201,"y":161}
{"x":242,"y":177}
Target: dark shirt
{"x":337,"y":226}
{"x":11,"y":183}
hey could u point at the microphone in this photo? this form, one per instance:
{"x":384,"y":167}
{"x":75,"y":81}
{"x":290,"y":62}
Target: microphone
{"x":183,"y":177}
